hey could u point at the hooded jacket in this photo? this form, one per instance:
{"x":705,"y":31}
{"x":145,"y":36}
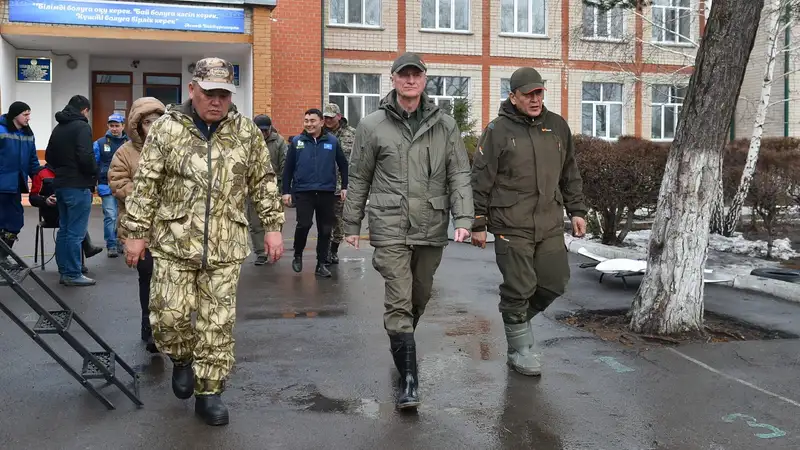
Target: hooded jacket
{"x":524,"y":175}
{"x":189,"y":192}
{"x":126,"y":160}
{"x":413,"y":180}
{"x":278,"y":148}
{"x":104,"y":150}
{"x":18,"y":159}
{"x":69,"y":151}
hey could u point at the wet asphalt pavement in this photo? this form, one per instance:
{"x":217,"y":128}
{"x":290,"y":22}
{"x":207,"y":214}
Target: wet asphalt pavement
{"x":314,"y":371}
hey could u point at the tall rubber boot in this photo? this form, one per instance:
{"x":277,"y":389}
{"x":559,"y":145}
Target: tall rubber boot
{"x":404,"y":352}
{"x":521,"y":355}
{"x":89,"y":249}
{"x":208,"y":402}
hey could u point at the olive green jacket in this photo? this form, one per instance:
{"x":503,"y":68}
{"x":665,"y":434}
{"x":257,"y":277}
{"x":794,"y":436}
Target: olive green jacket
{"x":524,"y":174}
{"x":413,"y":182}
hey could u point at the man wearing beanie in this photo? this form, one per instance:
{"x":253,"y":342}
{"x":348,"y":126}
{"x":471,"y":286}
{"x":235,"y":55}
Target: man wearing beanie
{"x":104,"y":149}
{"x":18,"y":161}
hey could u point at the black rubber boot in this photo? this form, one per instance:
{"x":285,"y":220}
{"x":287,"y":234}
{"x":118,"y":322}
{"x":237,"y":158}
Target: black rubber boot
{"x":89,"y":249}
{"x":404,"y":352}
{"x":211,"y":409}
{"x":322,"y":271}
{"x":333,"y":254}
{"x":182,"y":379}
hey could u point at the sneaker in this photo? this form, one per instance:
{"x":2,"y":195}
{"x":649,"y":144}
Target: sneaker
{"x":112,"y":252}
{"x":261,"y":260}
{"x":78,"y":281}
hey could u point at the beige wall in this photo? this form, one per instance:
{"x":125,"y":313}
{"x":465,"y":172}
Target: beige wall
{"x":444,"y":42}
{"x":383,"y":38}
{"x":663,"y":53}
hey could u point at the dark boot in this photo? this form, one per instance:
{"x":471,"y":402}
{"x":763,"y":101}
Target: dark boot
{"x":333,"y":254}
{"x":89,"y":250}
{"x":182,"y":379}
{"x":5,"y":261}
{"x":147,"y":332}
{"x":417,"y":313}
{"x":297,"y":263}
{"x":208,"y":402}
{"x":322,"y":271}
{"x":404,"y":352}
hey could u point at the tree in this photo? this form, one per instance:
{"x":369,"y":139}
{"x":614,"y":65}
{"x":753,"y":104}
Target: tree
{"x":670,"y":298}
{"x":460,"y":109}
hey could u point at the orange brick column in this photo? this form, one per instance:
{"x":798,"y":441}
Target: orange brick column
{"x":296,"y":63}
{"x":262,"y":60}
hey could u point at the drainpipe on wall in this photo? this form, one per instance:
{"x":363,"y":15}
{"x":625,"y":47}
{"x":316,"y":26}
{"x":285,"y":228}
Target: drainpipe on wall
{"x":787,"y":40}
{"x":322,"y":53}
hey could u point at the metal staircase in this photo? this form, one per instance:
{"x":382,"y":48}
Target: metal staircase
{"x":97,"y":365}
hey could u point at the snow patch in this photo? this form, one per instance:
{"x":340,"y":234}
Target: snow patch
{"x":736,"y":244}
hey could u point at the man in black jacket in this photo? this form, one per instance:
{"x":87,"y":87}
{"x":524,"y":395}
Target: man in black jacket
{"x":70,"y":154}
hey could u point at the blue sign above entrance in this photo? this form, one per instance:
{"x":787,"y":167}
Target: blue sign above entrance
{"x":128,"y":15}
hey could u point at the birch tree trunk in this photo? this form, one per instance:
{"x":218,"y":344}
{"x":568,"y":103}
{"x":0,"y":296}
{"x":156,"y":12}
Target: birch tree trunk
{"x":670,"y":298}
{"x":735,"y":209}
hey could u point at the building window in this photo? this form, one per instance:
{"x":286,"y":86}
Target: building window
{"x":600,"y":24}
{"x":672,"y":21}
{"x":445,"y":90}
{"x":356,"y":12}
{"x":523,"y":17}
{"x":447,"y":15}
{"x":666,"y":103}
{"x":165,"y":87}
{"x":601,"y":110}
{"x":505,"y":89}
{"x":357,"y":94}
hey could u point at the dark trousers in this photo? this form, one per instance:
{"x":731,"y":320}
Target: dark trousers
{"x":306,"y":204}
{"x":12,"y":214}
{"x":145,"y":269}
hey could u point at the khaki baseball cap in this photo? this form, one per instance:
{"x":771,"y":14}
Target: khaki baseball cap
{"x":331,"y":110}
{"x":214,"y":73}
{"x":526,"y":80}
{"x":409,"y":59}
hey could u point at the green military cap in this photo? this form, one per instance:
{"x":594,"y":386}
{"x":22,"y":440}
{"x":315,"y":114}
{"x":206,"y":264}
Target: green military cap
{"x":214,"y":73}
{"x":409,"y":59}
{"x":526,"y":80}
{"x":331,"y":110}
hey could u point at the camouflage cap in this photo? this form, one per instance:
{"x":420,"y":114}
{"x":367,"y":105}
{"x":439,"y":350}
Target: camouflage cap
{"x":526,"y":80}
{"x":331,"y":110}
{"x":214,"y":73}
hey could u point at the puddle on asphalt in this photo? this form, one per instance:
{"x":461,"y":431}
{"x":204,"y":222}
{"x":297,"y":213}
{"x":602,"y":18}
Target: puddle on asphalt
{"x":314,"y":401}
{"x":264,"y":315}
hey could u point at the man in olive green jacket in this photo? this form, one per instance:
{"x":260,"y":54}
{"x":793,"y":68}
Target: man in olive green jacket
{"x":523,"y":176}
{"x":200,"y":162}
{"x":409,"y":159}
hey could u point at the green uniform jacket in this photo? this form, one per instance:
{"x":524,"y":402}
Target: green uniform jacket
{"x":277,"y":147}
{"x":189,"y":193}
{"x":346,"y":136}
{"x":524,"y":175}
{"x":412,"y":181}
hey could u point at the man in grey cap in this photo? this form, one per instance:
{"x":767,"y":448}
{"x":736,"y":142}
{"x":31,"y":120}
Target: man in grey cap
{"x":200,"y":162}
{"x":409,"y":160}
{"x":523,"y":177}
{"x":277,"y":154}
{"x":337,"y":125}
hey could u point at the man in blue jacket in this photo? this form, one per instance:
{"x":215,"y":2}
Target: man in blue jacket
{"x":18,"y":162}
{"x":310,"y":176}
{"x":104,"y":149}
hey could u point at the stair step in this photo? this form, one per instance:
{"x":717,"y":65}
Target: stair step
{"x":18,"y":273}
{"x":90,"y":371}
{"x":44,"y":326}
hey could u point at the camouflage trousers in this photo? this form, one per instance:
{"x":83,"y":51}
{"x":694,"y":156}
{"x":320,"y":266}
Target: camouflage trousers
{"x":338,"y":227}
{"x":177,"y":290}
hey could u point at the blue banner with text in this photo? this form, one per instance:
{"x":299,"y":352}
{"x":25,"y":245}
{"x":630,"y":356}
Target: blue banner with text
{"x":128,"y":15}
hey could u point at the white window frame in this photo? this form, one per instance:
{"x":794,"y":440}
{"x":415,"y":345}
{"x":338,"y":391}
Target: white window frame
{"x":682,"y":13}
{"x":607,"y":104}
{"x":347,"y":23}
{"x":452,"y":28}
{"x":673,"y":101}
{"x":451,"y":98}
{"x":595,"y":18}
{"x":504,"y":97}
{"x":530,"y":19}
{"x":347,"y":95}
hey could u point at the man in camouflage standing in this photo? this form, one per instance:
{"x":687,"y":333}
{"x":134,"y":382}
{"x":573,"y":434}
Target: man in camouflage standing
{"x":199,"y":162}
{"x":523,"y":177}
{"x":277,"y":153}
{"x":337,"y":125}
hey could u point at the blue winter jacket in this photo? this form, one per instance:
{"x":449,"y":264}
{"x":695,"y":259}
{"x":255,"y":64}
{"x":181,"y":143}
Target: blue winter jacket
{"x":18,"y":159}
{"x":104,"y":149}
{"x":311,"y":164}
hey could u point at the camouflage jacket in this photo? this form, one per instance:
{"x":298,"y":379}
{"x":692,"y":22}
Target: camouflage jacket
{"x":346,"y":136}
{"x":189,"y":193}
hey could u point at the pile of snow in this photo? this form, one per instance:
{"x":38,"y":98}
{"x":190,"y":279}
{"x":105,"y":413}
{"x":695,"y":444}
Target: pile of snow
{"x":737,"y":244}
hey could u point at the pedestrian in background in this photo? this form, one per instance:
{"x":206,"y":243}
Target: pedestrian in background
{"x":104,"y":150}
{"x":277,"y":154}
{"x":337,"y":125}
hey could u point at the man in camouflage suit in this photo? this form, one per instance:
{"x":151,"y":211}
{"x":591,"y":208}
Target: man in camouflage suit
{"x":200,"y":162}
{"x":337,"y":125}
{"x":277,"y":147}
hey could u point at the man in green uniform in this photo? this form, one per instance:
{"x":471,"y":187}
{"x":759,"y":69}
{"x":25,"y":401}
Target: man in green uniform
{"x":409,"y":160}
{"x":200,"y":162}
{"x":523,"y":176}
{"x":337,"y":125}
{"x":277,"y":154}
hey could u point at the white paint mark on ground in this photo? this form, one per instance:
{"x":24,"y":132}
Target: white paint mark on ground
{"x":614,"y":364}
